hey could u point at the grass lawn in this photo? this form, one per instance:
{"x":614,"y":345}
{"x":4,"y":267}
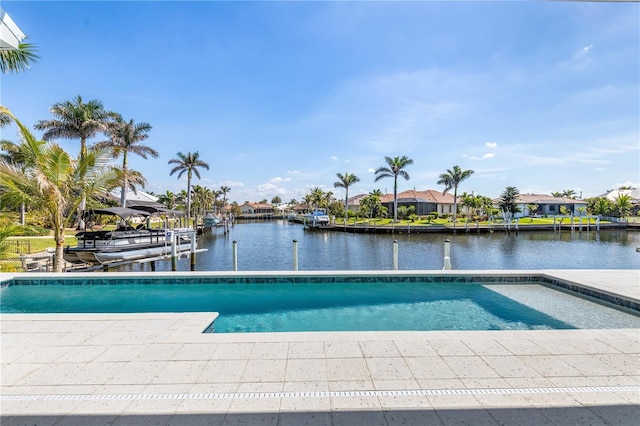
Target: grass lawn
{"x":461,"y":222}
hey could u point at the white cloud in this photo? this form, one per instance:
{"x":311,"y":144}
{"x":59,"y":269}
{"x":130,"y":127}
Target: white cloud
{"x":333,"y":158}
{"x":491,"y":144}
{"x":484,"y":157}
{"x":293,"y":172}
{"x":279,"y":179}
{"x":586,"y":49}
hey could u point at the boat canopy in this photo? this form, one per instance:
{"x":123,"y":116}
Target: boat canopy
{"x":149,"y":208}
{"x":123,"y":212}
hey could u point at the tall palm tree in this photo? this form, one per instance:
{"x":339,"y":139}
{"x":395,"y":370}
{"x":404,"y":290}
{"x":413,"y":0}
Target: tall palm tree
{"x":76,"y":119}
{"x":345,"y":182}
{"x":125,"y":137}
{"x":55,"y":183}
{"x":188,"y":163}
{"x":451,"y":179}
{"x":394,"y":169}
{"x":202,"y":199}
{"x":18,"y":60}
{"x":224,"y":190}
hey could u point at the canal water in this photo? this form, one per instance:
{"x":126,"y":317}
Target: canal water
{"x":268,"y":246}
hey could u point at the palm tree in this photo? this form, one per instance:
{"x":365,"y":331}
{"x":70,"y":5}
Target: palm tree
{"x":394,"y":169}
{"x":55,"y":184}
{"x":18,"y":60}
{"x":623,"y":205}
{"x":133,"y":178}
{"x":569,"y":193}
{"x":125,"y":138}
{"x":22,"y":155}
{"x":317,"y":197}
{"x":168,"y":199}
{"x":77,"y":120}
{"x":224,"y":190}
{"x":345,"y":182}
{"x":189,"y":163}
{"x":451,"y":179}
{"x":202,"y":199}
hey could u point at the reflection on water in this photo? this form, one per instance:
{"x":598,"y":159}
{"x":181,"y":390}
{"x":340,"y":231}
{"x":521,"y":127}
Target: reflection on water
{"x":268,"y":246}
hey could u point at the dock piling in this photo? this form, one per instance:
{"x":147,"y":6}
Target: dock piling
{"x":447,"y":255}
{"x":235,"y":255}
{"x":295,"y":255}
{"x":395,"y":255}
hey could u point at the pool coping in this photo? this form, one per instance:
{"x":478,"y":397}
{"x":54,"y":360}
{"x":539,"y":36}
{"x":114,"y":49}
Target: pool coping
{"x":582,"y":282}
{"x":130,"y":368}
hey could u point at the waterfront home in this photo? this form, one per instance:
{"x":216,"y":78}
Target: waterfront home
{"x":425,"y":202}
{"x":633,"y":193}
{"x":547,"y":205}
{"x":249,"y":208}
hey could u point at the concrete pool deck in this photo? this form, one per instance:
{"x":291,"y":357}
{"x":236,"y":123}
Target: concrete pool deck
{"x":161,"y":369}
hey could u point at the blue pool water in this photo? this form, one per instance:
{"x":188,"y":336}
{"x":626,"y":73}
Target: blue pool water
{"x":333,"y":306}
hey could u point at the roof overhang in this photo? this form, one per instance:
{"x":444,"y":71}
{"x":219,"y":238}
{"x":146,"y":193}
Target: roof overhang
{"x":10,"y":34}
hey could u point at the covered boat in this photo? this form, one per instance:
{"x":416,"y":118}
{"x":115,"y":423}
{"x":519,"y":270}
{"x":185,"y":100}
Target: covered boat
{"x":132,"y":239}
{"x":317,"y":218}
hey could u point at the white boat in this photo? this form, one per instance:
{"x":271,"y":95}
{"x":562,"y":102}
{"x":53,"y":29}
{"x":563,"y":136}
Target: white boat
{"x":128,"y":241}
{"x":317,"y":218}
{"x":210,"y":219}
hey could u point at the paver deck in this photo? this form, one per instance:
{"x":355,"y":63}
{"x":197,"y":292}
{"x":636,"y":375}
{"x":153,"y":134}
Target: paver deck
{"x":161,"y":369}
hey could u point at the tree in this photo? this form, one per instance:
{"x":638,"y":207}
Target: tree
{"x":556,"y":194}
{"x":276,"y":200}
{"x":23,"y":154}
{"x":56,"y":184}
{"x":18,"y":60}
{"x":568,"y":193}
{"x":508,"y":201}
{"x":202,"y":199}
{"x":370,"y":205}
{"x":394,"y":169}
{"x":77,"y":120}
{"x":623,"y":205}
{"x":600,"y":206}
{"x":188,"y":163}
{"x":317,"y":197}
{"x":345,"y":182}
{"x":468,"y":201}
{"x":451,"y":179}
{"x":224,"y":190}
{"x":168,"y":199}
{"x":125,"y":138}
{"x":532,"y":209}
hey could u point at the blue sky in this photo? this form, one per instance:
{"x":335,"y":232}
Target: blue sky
{"x":278,"y":97}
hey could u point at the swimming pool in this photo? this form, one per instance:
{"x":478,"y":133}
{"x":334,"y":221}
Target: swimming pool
{"x":305,"y":302}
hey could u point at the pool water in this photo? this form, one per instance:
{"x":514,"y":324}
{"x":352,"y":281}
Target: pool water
{"x":332,"y":306}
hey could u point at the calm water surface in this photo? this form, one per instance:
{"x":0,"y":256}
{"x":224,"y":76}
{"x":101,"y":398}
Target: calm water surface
{"x":268,"y":246}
